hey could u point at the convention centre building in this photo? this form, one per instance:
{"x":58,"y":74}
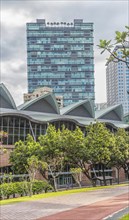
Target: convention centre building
{"x":33,"y":117}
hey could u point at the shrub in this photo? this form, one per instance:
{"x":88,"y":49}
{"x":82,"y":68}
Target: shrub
{"x":6,"y":190}
{"x":37,"y":187}
{"x":47,"y":187}
{"x":23,"y":188}
{"x":40,"y":186}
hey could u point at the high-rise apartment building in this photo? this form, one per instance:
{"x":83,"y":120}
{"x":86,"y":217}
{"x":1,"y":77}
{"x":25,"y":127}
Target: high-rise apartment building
{"x":60,"y":56}
{"x":117,"y":82}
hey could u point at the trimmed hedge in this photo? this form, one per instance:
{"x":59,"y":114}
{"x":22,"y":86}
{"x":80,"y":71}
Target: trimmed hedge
{"x":23,"y":188}
{"x":39,"y":186}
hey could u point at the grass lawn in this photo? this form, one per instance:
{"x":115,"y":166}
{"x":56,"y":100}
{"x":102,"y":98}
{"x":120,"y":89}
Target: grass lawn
{"x":125,"y":217}
{"x":52,"y":194}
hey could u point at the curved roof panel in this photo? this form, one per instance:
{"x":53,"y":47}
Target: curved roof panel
{"x":6,"y":100}
{"x":114,"y":113}
{"x":40,"y":117}
{"x":115,"y":124}
{"x":81,"y":109}
{"x":126,"y":117}
{"x":44,"y":103}
{"x":45,"y":117}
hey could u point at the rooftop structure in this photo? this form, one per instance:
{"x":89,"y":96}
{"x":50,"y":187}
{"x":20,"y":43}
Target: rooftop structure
{"x":99,"y":106}
{"x":40,"y":91}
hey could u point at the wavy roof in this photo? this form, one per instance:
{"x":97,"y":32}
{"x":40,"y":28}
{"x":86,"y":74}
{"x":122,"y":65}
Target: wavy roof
{"x":114,"y":113}
{"x":39,"y":117}
{"x":44,"y":103}
{"x":6,"y":99}
{"x":45,"y":109}
{"x":81,"y":109}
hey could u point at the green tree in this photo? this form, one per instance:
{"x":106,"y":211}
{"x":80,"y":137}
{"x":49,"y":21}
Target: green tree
{"x":122,"y":40}
{"x":76,"y":152}
{"x":99,"y":143}
{"x":52,"y":153}
{"x":85,"y":152}
{"x":46,"y":150}
{"x":3,"y":135}
{"x":120,"y":154}
{"x":77,"y":175}
{"x":22,"y":152}
{"x":32,"y":168}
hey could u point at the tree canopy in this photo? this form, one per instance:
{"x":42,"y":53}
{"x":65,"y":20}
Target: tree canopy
{"x":81,"y":151}
{"x":51,"y":152}
{"x":121,"y":40}
{"x":22,"y":152}
{"x":120,"y":154}
{"x":3,"y":135}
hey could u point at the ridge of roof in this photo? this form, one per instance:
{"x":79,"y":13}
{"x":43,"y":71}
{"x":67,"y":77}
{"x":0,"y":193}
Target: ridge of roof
{"x":8,"y":95}
{"x":43,"y":96}
{"x":73,"y":106}
{"x":100,"y":113}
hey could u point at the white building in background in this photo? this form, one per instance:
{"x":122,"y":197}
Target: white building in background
{"x":117,"y":82}
{"x":99,"y":106}
{"x":40,"y":91}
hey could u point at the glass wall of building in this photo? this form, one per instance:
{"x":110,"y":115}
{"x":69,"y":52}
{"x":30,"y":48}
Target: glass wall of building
{"x":17,"y":129}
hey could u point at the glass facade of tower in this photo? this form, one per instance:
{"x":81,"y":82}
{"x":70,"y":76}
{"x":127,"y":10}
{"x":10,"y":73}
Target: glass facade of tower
{"x":117,"y":82}
{"x":60,"y":56}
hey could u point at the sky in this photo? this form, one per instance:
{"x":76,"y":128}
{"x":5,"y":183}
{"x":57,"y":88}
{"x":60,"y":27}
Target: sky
{"x":107,"y":16}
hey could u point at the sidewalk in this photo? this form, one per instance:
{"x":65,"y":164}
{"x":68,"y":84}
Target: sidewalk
{"x":95,"y":211}
{"x":37,"y":209}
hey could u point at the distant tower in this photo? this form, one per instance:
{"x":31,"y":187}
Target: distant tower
{"x":117,"y":82}
{"x":60,"y":56}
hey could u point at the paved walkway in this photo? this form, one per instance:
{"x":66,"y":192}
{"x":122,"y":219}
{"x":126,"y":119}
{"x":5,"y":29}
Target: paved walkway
{"x":95,"y":211}
{"x":49,"y":206}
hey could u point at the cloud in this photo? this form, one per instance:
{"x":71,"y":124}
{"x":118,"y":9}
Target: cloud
{"x":14,"y":76}
{"x":13,"y":43}
{"x":107,"y":16}
{"x":16,"y":71}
